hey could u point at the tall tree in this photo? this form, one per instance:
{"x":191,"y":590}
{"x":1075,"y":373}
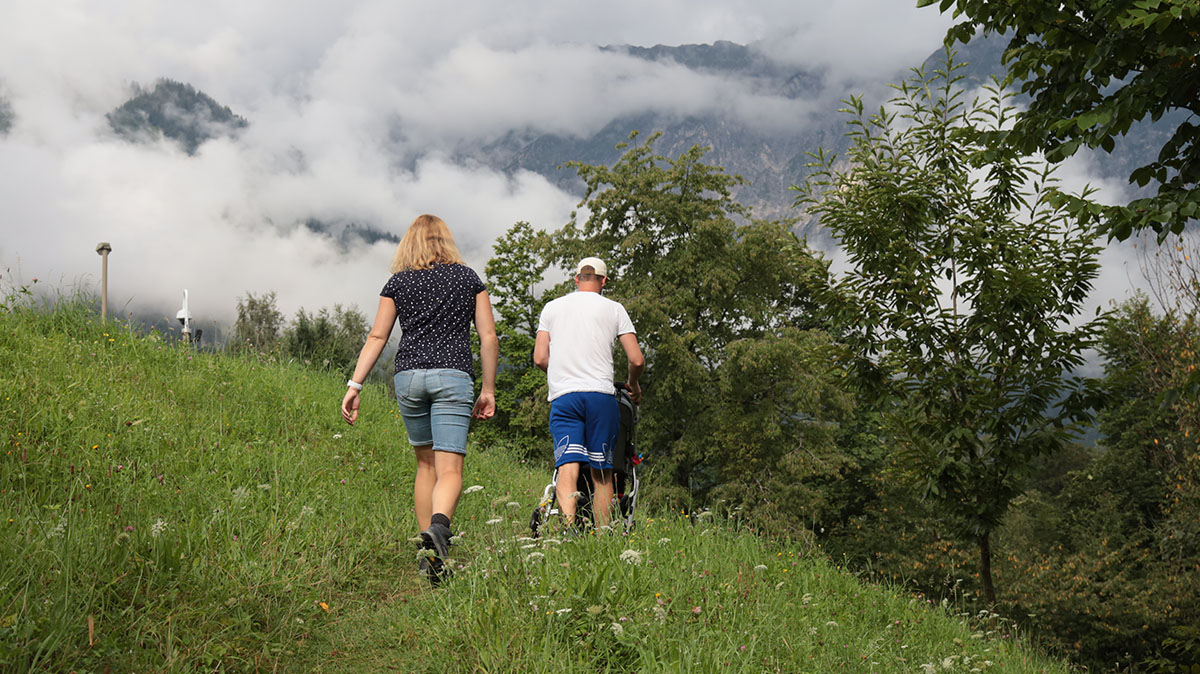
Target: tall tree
{"x":964,"y":282}
{"x":258,"y":322}
{"x":697,"y":274}
{"x":327,"y":340}
{"x":514,"y":274}
{"x":1092,"y":69}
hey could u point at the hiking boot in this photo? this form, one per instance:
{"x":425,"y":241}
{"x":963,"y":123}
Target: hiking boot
{"x":437,"y":539}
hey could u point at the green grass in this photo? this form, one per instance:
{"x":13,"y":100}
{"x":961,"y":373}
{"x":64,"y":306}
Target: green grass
{"x":167,"y":510}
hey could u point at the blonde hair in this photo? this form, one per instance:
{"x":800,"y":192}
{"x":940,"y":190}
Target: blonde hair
{"x":427,"y":242}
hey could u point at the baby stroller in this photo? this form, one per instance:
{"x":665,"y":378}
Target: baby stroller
{"x":625,"y":480}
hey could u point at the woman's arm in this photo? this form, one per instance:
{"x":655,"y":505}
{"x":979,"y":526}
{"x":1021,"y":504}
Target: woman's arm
{"x":385,"y":318}
{"x":489,"y":356}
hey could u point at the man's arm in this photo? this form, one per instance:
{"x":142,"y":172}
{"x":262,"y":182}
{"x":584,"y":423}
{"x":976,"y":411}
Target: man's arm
{"x":637,"y":364}
{"x":541,"y":350}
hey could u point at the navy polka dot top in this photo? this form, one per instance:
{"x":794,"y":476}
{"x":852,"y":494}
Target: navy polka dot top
{"x":434,"y":308}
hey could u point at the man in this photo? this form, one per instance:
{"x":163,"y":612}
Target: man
{"x":574,"y":347}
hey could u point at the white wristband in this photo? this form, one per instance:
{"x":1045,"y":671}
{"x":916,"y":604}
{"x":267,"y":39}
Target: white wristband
{"x":354,"y":385}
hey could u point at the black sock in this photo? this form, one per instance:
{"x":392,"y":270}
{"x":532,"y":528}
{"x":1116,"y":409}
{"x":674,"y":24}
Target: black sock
{"x":439,"y":518}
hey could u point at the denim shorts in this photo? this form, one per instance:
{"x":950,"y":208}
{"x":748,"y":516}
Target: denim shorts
{"x":436,"y":406}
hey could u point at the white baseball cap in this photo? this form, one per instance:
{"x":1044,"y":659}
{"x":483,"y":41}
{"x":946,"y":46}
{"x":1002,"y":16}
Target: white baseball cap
{"x":595,"y":263}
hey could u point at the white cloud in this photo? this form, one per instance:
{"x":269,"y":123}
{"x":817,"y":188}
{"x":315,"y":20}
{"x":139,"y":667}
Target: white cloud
{"x":359,"y":112}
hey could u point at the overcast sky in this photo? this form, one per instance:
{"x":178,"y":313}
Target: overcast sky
{"x":355,"y":109}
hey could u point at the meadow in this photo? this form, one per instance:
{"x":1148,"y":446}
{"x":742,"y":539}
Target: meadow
{"x":169,"y":510}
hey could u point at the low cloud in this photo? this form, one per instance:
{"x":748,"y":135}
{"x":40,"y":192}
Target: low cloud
{"x":364,"y":112}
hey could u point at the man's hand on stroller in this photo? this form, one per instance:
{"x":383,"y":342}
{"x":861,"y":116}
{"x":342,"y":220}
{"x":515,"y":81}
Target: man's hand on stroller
{"x":635,"y":392}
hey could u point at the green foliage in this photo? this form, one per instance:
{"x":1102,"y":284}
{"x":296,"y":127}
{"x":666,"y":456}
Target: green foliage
{"x":258,"y":323}
{"x":695,"y":277}
{"x":174,"y":110}
{"x":1093,"y":69}
{"x":324,"y":339}
{"x":1102,"y":554}
{"x":210,"y":512}
{"x":331,"y":341}
{"x":964,"y":278}
{"x":781,"y":403}
{"x":516,"y":268}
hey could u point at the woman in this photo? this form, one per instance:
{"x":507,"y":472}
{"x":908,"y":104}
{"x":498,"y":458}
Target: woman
{"x":434,"y":297}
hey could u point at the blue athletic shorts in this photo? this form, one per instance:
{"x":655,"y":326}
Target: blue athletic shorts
{"x":584,"y":428}
{"x":436,"y":406}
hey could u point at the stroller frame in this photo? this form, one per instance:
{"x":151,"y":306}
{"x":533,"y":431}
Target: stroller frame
{"x":625,"y":479}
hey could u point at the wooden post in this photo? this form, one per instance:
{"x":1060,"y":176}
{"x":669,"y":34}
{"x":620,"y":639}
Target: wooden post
{"x":103,"y":249}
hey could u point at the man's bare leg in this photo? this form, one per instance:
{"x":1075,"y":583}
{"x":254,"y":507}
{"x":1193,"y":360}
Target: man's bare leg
{"x":603,"y":498}
{"x":564,"y":489}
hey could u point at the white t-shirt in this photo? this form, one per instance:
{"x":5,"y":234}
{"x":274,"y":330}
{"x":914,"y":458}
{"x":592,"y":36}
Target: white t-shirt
{"x":582,"y":328}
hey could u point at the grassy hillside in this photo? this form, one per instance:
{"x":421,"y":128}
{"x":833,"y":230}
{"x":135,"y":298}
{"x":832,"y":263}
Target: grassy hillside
{"x":166,"y":510}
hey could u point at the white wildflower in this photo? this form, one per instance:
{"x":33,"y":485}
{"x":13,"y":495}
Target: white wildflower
{"x":495,"y":520}
{"x":660,"y":614}
{"x":948,"y":663}
{"x":831,"y":623}
{"x":306,"y":511}
{"x":240,"y":494}
{"x":631,"y":557}
{"x":663,"y":541}
{"x":928,"y":668}
{"x":265,"y":486}
{"x":551,"y":541}
{"x":58,"y":529}
{"x":617,"y":629}
{"x":529,"y":546}
{"x":704,"y":513}
{"x":337,"y":436}
{"x":473,"y":488}
{"x":760,"y":567}
{"x":534,"y":557}
{"x":158,"y":527}
{"x":563,"y":611}
{"x":513,"y":504}
{"x":525,"y":539}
